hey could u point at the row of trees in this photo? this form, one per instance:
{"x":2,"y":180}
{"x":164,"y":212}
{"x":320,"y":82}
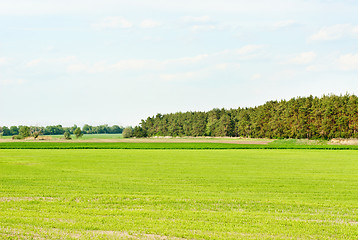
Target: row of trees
{"x":59,"y":130}
{"x":310,"y":117}
{"x":35,"y":132}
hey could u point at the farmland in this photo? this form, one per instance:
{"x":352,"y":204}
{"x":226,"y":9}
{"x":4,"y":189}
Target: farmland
{"x":178,"y":193}
{"x":92,"y":136}
{"x":174,"y":144}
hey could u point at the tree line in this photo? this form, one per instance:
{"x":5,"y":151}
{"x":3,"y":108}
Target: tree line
{"x":59,"y":130}
{"x":326,"y":117}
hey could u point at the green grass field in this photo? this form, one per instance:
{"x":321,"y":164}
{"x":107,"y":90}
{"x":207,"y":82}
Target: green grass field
{"x":90,"y":136}
{"x":178,"y":194}
{"x":168,"y":145}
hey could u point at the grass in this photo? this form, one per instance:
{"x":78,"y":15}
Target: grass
{"x":190,"y":194}
{"x":170,"y":145}
{"x":90,"y":136}
{"x":5,"y":137}
{"x":299,"y":142}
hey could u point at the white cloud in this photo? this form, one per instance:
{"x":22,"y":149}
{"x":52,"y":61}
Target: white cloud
{"x":316,"y":68}
{"x":178,"y":76}
{"x":98,"y":67}
{"x":227,"y":66}
{"x":149,"y":23}
{"x":197,"y":28}
{"x":112,"y":23}
{"x":152,"y":38}
{"x":42,"y":7}
{"x":201,"y":23}
{"x":284,"y":24}
{"x":50,"y":48}
{"x":335,"y":32}
{"x":135,"y":64}
{"x":3,"y":60}
{"x":200,"y":19}
{"x":33,"y":63}
{"x":249,"y":49}
{"x":78,"y":67}
{"x":201,"y":59}
{"x":188,"y":60}
{"x":221,"y":66}
{"x":128,"y":65}
{"x":66,"y":60}
{"x":256,"y":76}
{"x":7,"y":82}
{"x":348,"y":62}
{"x":303,"y":58}
{"x":224,"y":60}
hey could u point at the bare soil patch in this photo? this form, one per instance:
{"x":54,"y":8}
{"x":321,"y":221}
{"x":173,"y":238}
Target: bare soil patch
{"x":342,"y":141}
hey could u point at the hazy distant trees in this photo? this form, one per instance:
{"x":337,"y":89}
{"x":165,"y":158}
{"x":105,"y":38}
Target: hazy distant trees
{"x":5,"y":131}
{"x":54,"y":130}
{"x":59,"y":130}
{"x":102,"y":129}
{"x":14,"y":130}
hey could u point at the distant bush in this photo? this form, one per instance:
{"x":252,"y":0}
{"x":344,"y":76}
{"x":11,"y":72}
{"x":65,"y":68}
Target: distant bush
{"x":25,"y":131}
{"x":127,"y":132}
{"x":78,"y":132}
{"x":67,"y":136}
{"x":17,"y":137}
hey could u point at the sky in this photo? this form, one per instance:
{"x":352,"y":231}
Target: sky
{"x":117,"y":62}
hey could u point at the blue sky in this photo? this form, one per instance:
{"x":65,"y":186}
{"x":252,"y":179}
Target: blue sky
{"x":114,"y":62}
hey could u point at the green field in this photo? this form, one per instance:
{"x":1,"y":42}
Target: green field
{"x":178,"y":194}
{"x":89,"y":136}
{"x":167,"y":145}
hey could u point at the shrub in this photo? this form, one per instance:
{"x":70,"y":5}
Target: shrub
{"x":24,"y":131}
{"x":17,"y":137}
{"x":127,"y":132}
{"x":67,"y":135}
{"x":78,"y":132}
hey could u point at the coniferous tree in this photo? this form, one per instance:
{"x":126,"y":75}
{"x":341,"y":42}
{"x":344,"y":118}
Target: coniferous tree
{"x":303,"y":117}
